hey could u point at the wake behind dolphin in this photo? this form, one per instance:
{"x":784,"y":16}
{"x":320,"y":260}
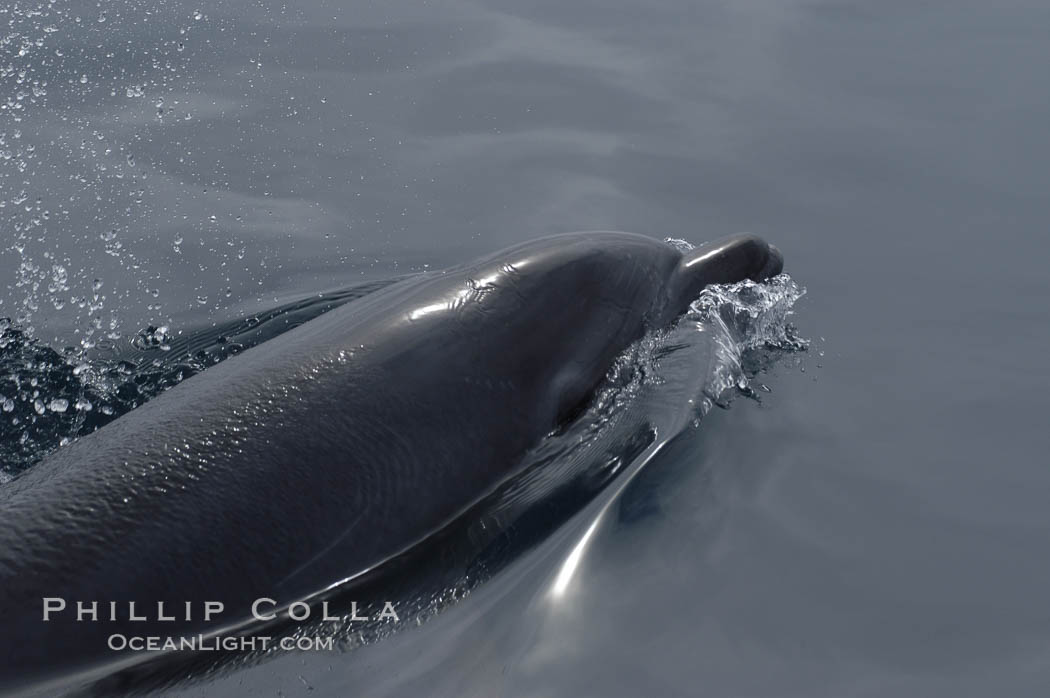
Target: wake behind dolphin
{"x":319,"y":455}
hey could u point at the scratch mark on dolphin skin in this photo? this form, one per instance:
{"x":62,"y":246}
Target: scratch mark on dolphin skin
{"x":341,"y":537}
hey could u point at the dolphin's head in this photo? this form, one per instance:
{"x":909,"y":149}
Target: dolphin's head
{"x":722,"y":261}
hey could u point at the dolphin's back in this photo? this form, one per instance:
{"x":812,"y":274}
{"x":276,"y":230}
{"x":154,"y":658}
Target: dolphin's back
{"x":324,"y":451}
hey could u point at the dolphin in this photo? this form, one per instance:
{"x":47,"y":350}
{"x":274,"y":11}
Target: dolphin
{"x":311,"y":459}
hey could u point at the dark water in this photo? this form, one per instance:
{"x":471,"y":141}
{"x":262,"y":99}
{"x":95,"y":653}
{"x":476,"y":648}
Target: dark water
{"x":878,"y":525}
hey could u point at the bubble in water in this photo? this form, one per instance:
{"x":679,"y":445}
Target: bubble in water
{"x":58,"y":405}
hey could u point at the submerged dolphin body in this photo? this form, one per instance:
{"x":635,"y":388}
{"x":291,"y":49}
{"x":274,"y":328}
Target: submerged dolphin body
{"x":318,"y":455}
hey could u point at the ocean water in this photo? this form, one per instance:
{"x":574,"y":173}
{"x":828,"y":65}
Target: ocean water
{"x":872,"y":522}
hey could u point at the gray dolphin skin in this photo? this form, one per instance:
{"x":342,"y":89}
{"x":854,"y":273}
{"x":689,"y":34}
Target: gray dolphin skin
{"x":318,"y":455}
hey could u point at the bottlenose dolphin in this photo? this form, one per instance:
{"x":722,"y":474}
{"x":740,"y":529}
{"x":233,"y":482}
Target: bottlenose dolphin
{"x":311,"y":459}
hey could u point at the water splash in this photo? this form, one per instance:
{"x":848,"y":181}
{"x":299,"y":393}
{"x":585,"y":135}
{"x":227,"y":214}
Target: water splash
{"x":749,"y":325}
{"x":76,"y":184}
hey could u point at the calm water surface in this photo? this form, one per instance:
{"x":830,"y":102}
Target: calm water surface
{"x":877,"y":526}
